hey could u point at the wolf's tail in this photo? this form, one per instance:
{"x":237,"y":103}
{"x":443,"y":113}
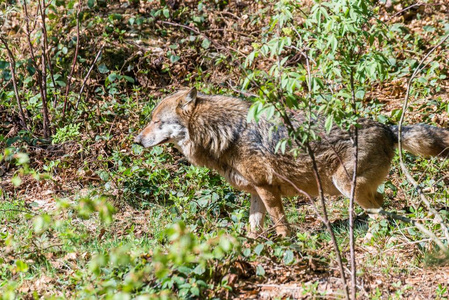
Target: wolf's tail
{"x":425,"y":140}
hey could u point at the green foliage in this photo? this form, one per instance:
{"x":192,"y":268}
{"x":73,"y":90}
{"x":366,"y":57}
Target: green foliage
{"x":67,"y":133}
{"x":345,"y":48}
{"x":189,"y":263}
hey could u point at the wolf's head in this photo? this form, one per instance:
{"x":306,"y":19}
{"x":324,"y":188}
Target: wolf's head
{"x":167,"y":125}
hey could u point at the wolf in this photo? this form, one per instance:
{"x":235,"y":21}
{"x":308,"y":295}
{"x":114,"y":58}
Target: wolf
{"x":213,"y":131}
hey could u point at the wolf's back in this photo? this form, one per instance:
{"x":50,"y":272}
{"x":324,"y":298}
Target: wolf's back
{"x":425,"y":140}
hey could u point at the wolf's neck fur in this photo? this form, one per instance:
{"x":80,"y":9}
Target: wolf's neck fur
{"x":185,"y":145}
{"x":214,"y":125}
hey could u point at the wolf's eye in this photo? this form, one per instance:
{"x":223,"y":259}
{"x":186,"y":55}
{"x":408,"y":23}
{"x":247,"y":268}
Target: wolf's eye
{"x":156,"y":121}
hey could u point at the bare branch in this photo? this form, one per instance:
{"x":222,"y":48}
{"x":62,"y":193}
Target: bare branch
{"x":411,"y":6}
{"x":196,"y":31}
{"x":418,"y":189}
{"x":45,"y":45}
{"x":324,"y":217}
{"x":87,"y":76}
{"x":43,"y":84}
{"x":419,"y":226}
{"x":69,"y":78}
{"x":12,"y":66}
{"x":355,"y":146}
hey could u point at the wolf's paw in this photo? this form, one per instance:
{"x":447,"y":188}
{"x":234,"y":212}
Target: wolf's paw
{"x":253,"y":235}
{"x":283,"y":232}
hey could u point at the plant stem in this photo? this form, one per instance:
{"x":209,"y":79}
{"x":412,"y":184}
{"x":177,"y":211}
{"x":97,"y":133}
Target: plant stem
{"x":423,"y":197}
{"x":75,"y":56}
{"x":12,"y":66}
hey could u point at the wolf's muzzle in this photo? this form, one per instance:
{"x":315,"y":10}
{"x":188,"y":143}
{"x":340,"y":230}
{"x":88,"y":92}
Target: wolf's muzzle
{"x":138,"y":139}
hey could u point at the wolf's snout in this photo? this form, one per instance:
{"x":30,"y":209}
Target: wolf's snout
{"x":138,"y":139}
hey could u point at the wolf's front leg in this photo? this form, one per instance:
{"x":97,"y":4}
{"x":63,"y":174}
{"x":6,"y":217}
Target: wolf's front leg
{"x":256,"y":216}
{"x":273,"y":203}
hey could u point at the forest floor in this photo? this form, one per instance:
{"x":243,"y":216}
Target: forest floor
{"x":153,"y":189}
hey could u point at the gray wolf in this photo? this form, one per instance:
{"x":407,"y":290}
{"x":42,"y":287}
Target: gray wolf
{"x":213,"y":131}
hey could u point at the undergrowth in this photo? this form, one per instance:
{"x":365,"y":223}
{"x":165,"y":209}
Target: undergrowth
{"x":85,"y":213}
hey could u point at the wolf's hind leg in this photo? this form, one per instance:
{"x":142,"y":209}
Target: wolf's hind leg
{"x":366,"y":194}
{"x":271,"y":198}
{"x":256,"y":215}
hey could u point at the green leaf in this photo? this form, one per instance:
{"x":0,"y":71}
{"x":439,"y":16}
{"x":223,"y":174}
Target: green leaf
{"x":41,"y":223}
{"x":90,"y":3}
{"x":22,"y":158}
{"x":317,"y":84}
{"x":288,"y":257}
{"x":16,"y":180}
{"x":185,"y":270}
{"x":21,"y":266}
{"x":269,"y":112}
{"x":283,"y":146}
{"x":395,"y":114}
{"x":360,"y":94}
{"x":382,"y":119}
{"x":254,"y":112}
{"x":250,"y":58}
{"x":103,"y":69}
{"x":112,"y":77}
{"x":333,"y":42}
{"x":4,"y":64}
{"x":195,"y":291}
{"x":174,"y":58}
{"x":205,"y":44}
{"x":129,"y":79}
{"x":260,"y":271}
{"x":329,"y":123}
{"x":371,"y":39}
{"x":166,"y":13}
{"x":199,"y":270}
{"x":258,"y":249}
{"x":226,"y":243}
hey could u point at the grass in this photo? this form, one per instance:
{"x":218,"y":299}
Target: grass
{"x":87,"y":248}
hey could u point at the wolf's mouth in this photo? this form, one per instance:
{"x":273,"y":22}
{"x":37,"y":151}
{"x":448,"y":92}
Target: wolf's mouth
{"x":162,"y":142}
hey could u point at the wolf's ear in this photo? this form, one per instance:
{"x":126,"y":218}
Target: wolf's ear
{"x":188,"y":101}
{"x":191,"y":96}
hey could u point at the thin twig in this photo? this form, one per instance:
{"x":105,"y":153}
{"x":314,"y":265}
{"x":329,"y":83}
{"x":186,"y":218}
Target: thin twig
{"x":45,"y":52}
{"x":407,"y":244}
{"x":196,"y":31}
{"x":33,"y":56}
{"x":46,"y":118}
{"x":418,"y":189}
{"x":40,"y":249}
{"x":320,"y":188}
{"x":352,"y":197}
{"x":87,"y":75}
{"x":324,"y":217}
{"x":315,"y":208}
{"x":246,"y":94}
{"x":12,"y":67}
{"x":69,"y":78}
{"x":419,"y":226}
{"x":411,"y":6}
